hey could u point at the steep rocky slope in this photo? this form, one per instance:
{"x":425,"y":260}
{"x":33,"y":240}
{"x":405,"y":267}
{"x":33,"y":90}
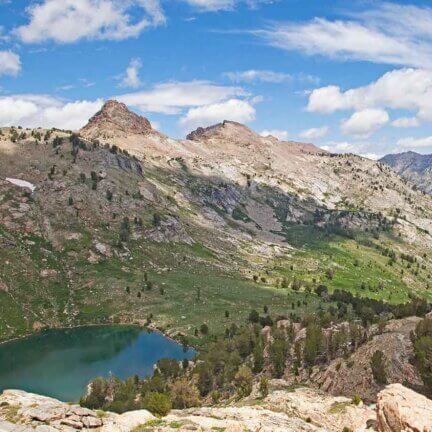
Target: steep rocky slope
{"x":128,"y":225}
{"x":353,"y":376}
{"x":414,"y":167}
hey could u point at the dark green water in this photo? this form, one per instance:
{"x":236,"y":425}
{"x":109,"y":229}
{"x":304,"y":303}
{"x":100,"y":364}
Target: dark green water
{"x":60,"y":363}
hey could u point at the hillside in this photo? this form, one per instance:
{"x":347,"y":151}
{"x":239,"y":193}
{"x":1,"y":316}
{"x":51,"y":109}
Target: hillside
{"x":127,"y":225}
{"x":412,"y":166}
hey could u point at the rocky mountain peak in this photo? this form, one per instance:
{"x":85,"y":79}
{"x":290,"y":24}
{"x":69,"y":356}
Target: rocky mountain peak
{"x":227,"y":129}
{"x":116,"y":115}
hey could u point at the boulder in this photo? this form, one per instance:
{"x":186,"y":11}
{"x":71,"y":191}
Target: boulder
{"x":45,"y":428}
{"x":91,"y":422}
{"x":102,"y":248}
{"x":73,"y":421}
{"x":127,"y":421}
{"x":401,"y":409}
{"x":44,"y":413}
{"x":81,"y":411}
{"x":6,"y":426}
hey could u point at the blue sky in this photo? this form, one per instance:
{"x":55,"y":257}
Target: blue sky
{"x":349,"y":76}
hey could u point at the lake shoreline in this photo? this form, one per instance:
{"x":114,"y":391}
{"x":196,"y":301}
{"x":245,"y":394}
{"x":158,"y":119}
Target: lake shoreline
{"x":141,"y":326}
{"x":60,"y":361}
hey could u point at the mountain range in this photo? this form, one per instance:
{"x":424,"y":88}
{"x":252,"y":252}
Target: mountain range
{"x":128,"y":225}
{"x":412,"y":166}
{"x":120,"y":224}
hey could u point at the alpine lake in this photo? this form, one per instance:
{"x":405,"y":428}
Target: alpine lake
{"x":61,"y":362}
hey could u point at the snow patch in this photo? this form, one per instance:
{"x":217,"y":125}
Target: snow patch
{"x":21,"y":183}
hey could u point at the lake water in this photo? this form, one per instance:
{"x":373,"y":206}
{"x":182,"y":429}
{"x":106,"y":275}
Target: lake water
{"x":60,"y":363}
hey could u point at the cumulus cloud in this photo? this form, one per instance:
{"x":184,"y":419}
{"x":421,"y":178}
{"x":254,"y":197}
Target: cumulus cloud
{"x":279,"y":134}
{"x":172,"y":97}
{"x":314,"y":133}
{"x":10,"y":63}
{"x":233,"y":109}
{"x":197,"y":103}
{"x":364,"y":123}
{"x":34,"y":110}
{"x":410,"y":142}
{"x":253,"y":75}
{"x":339,"y":147}
{"x":409,"y":89}
{"x":131,"y":76}
{"x":389,"y":33}
{"x":362,"y":148}
{"x":406,"y":122}
{"x":67,"y":21}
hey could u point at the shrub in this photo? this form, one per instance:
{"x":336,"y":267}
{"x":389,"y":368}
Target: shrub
{"x":377,"y":364}
{"x":204,"y":329}
{"x":423,"y":355}
{"x":205,"y":380}
{"x":258,"y":358}
{"x":254,"y":316}
{"x":215,"y":395}
{"x":243,"y":381}
{"x":314,"y":343}
{"x":278,"y":353}
{"x":184,"y":395}
{"x":356,"y":400}
{"x":169,"y":368}
{"x":264,"y":386}
{"x":157,"y":403}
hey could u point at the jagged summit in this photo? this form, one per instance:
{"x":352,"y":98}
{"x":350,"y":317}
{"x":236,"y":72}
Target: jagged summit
{"x":227,"y":127}
{"x":114,"y":116}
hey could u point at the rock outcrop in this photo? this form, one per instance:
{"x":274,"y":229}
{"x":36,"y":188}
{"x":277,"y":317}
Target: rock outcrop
{"x":25,"y":412}
{"x":353,"y":376}
{"x":116,"y":116}
{"x":401,"y":409}
{"x":303,"y":410}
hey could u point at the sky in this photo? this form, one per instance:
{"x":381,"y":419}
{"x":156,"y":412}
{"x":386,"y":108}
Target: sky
{"x":350,"y":76}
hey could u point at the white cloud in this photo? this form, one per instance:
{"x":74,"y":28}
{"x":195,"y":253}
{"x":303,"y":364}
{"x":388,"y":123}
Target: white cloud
{"x":131,"y":76}
{"x":67,"y":21}
{"x":217,"y":5}
{"x":389,"y":33}
{"x":10,"y":63}
{"x":253,"y":75}
{"x":339,"y":147}
{"x":361,"y":148}
{"x":406,"y":122}
{"x":33,"y":110}
{"x":372,"y":156}
{"x":411,"y":142}
{"x":409,"y":89}
{"x":279,"y":134}
{"x":327,"y":100}
{"x":172,"y":97}
{"x":314,"y":133}
{"x":233,"y":109}
{"x":364,"y":123}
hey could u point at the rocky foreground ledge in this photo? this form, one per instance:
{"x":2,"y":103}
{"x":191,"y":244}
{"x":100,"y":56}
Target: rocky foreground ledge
{"x":303,"y":410}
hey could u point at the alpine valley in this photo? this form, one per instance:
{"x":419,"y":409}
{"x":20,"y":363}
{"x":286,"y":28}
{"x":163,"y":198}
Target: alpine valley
{"x":302,"y":277}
